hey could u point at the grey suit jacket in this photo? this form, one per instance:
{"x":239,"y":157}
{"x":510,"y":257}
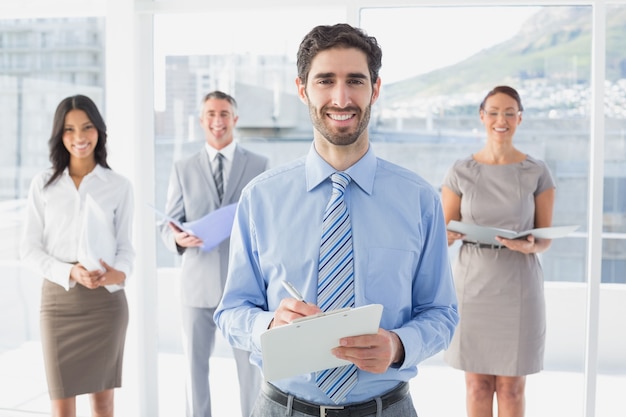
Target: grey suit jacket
{"x":191,"y":195}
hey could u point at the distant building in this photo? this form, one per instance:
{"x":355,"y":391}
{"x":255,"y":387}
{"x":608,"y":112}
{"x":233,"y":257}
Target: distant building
{"x":41,"y":62}
{"x":68,"y":51}
{"x":263,"y":86}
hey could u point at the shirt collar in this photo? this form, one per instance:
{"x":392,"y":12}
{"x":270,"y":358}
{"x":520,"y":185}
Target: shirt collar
{"x":228,"y":151}
{"x":362,"y":172}
{"x":98,"y":171}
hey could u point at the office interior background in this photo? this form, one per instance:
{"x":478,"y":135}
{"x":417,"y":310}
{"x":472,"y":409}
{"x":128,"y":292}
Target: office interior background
{"x":147,"y":64}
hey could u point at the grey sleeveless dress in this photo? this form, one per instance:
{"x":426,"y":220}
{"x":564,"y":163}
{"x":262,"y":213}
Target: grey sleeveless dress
{"x":502,"y":323}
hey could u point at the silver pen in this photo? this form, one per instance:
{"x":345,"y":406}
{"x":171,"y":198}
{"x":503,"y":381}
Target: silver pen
{"x":292,"y":291}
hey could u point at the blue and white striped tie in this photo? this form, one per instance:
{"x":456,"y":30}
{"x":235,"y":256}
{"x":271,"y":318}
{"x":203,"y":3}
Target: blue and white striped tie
{"x":335,"y":288}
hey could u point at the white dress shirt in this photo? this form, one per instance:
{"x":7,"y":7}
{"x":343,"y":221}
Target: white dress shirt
{"x":54,"y":218}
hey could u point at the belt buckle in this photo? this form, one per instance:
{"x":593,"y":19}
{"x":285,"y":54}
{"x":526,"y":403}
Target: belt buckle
{"x":324,"y":408}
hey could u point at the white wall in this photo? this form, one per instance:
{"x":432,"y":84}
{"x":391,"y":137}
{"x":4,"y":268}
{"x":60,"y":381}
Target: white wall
{"x":566,"y":313}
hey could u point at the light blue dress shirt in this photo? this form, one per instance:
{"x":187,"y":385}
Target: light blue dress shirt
{"x":400,"y":261}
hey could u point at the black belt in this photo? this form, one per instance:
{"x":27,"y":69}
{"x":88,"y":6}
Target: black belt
{"x":484,"y":245}
{"x":352,"y":410}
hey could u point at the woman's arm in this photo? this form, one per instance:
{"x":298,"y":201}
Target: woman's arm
{"x":544,"y":205}
{"x":32,"y":251}
{"x":451,"y":211}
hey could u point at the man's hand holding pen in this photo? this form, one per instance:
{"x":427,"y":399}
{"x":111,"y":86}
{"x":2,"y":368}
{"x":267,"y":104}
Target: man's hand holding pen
{"x":290,"y":309}
{"x":372,"y":353}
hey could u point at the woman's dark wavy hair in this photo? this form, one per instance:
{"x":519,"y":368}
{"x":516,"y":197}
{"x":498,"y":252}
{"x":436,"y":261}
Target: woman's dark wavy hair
{"x":59,"y":156}
{"x":321,"y":38}
{"x":504,"y":89}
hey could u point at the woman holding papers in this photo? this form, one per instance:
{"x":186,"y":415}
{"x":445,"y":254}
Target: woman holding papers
{"x":501,"y":333}
{"x":84,"y":313}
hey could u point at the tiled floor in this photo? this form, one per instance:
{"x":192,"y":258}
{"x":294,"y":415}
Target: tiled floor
{"x":437,"y":391}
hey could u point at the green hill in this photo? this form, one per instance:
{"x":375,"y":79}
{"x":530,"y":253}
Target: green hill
{"x":554,"y":44}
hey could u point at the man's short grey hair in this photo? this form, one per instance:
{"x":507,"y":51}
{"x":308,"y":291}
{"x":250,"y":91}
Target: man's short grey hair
{"x":219,"y":95}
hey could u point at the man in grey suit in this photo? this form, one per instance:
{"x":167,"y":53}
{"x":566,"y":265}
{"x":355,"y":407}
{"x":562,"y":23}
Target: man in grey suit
{"x":199,"y":184}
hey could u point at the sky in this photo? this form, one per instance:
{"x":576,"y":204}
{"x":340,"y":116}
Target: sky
{"x":414,"y":40}
{"x":436,"y":37}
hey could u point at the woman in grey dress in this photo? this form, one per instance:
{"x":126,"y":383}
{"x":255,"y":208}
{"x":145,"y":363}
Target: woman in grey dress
{"x":501,"y":334}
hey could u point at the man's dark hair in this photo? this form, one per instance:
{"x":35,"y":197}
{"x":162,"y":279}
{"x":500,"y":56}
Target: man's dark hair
{"x":341,"y":35}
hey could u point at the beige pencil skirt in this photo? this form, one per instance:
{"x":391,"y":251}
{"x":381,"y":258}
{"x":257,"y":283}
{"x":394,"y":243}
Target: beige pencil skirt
{"x":82,"y":335}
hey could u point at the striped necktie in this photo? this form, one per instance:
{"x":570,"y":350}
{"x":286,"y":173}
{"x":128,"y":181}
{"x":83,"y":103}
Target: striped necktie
{"x":335,"y":288}
{"x":219,"y":176}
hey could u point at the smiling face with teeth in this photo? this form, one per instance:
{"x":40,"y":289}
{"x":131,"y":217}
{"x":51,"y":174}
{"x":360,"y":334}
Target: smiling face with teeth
{"x":80,"y":137}
{"x":218,"y":121}
{"x":339,"y":93}
{"x":501,"y":115}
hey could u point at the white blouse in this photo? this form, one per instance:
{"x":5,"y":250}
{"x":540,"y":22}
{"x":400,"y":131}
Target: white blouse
{"x":54,"y":216}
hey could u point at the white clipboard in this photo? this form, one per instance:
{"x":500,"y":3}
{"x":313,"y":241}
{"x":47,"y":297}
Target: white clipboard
{"x":305,"y":345}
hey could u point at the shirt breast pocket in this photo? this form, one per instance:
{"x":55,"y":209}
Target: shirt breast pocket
{"x":389,"y":278}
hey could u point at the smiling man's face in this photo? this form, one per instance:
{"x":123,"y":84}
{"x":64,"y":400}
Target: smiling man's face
{"x":218,"y":121}
{"x":339,"y":94}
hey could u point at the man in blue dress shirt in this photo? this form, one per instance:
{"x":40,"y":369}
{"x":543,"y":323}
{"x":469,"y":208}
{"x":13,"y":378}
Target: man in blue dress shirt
{"x":398,"y":237}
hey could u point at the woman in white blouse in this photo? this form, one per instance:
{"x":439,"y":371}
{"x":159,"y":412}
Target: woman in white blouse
{"x":84,"y":312}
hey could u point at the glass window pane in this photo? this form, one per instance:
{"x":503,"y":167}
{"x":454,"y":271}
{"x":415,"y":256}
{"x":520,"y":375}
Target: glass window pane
{"x":612,"y":342}
{"x":193,"y":58}
{"x":614,"y":213}
{"x":41,"y":62}
{"x":428,"y":116}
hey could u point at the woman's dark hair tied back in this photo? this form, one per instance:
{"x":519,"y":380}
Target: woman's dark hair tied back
{"x":504,"y":89}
